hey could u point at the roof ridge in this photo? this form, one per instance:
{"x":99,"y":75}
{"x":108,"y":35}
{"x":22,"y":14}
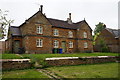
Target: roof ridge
{"x":66,"y":20}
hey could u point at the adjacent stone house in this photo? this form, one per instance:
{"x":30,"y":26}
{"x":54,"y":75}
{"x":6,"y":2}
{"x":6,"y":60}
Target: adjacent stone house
{"x":40,"y":34}
{"x":2,"y":47}
{"x":111,"y":38}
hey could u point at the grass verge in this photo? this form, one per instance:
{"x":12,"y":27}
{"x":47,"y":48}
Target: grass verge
{"x":27,"y":73}
{"x":10,"y":56}
{"x":106,"y":70}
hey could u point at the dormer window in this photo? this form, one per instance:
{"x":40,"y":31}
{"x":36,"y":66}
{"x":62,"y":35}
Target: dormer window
{"x":84,"y":34}
{"x":56,"y":32}
{"x":70,"y":34}
{"x":40,"y":30}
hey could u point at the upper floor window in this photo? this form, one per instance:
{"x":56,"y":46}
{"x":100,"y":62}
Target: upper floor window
{"x":70,"y":44}
{"x":70,"y":34}
{"x":56,"y":44}
{"x":40,"y":30}
{"x":56,"y":32}
{"x":85,"y":45}
{"x":84,"y":34}
{"x":39,"y":43}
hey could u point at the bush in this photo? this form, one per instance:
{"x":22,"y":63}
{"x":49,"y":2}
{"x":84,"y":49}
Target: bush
{"x":88,"y":51}
{"x":105,"y":49}
{"x":8,"y":52}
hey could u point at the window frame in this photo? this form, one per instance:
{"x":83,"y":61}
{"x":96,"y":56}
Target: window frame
{"x":39,"y":30}
{"x":56,"y":32}
{"x":85,"y":45}
{"x":56,"y":44}
{"x":84,"y":34}
{"x":70,"y":44}
{"x":70,"y":34}
{"x":39,"y":42}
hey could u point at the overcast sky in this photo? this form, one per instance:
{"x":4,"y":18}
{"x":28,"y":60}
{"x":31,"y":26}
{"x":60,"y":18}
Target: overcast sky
{"x":94,"y":11}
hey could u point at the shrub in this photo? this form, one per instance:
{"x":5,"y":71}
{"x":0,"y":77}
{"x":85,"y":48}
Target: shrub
{"x":105,"y":49}
{"x":7,"y":52}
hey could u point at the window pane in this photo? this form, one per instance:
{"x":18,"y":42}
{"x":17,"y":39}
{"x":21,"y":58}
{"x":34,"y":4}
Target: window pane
{"x":70,"y":44}
{"x":85,"y":45}
{"x":39,"y":42}
{"x":56,"y":44}
{"x":39,"y":30}
{"x":85,"y":35}
{"x":56,"y":32}
{"x":70,"y":33}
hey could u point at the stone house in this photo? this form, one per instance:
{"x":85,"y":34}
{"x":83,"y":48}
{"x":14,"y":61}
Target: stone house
{"x":2,"y":47}
{"x":111,"y":38}
{"x":40,"y":34}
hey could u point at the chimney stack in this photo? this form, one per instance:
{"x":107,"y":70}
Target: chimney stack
{"x":69,"y":19}
{"x":41,"y":7}
{"x":70,"y":16}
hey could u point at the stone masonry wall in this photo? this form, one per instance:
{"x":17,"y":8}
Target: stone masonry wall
{"x":8,"y":64}
{"x":83,"y":60}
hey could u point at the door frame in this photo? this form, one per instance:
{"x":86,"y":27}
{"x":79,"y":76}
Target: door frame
{"x":14,"y":46}
{"x":63,"y":43}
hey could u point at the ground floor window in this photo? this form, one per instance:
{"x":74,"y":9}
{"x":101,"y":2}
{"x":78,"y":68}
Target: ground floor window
{"x":70,"y":44}
{"x":85,"y":45}
{"x":56,"y":44}
{"x":39,"y":43}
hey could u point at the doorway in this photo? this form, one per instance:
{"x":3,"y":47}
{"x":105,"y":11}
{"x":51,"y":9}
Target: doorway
{"x":64,"y":46}
{"x":16,"y":46}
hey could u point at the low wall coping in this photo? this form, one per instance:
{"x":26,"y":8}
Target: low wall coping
{"x":60,"y":58}
{"x":17,"y":60}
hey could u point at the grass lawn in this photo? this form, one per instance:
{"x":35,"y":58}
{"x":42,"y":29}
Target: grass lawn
{"x":43,"y":56}
{"x":28,"y":73}
{"x":10,"y":56}
{"x":106,"y":70}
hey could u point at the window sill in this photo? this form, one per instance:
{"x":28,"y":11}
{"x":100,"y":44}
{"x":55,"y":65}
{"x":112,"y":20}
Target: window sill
{"x":39,"y":46}
{"x":70,"y":48}
{"x":39,"y":33}
{"x":56,"y":35}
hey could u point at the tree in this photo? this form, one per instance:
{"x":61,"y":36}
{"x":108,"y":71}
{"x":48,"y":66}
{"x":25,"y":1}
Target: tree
{"x":103,"y":46}
{"x":4,"y":23}
{"x":99,"y":27}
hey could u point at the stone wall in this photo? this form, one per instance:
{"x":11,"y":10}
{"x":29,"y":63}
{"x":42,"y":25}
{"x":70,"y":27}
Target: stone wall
{"x":2,"y":47}
{"x":9,"y":64}
{"x":78,"y":60}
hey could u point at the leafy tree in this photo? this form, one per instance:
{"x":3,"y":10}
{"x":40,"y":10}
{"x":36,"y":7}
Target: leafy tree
{"x":4,"y":23}
{"x":99,"y":27}
{"x":103,"y":46}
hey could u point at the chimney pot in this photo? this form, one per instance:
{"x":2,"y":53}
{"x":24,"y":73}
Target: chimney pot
{"x":41,"y":7}
{"x":70,"y":16}
{"x":69,"y":19}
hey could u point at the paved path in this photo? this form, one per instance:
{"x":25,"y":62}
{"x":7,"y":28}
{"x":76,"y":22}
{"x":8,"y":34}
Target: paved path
{"x":19,"y":55}
{"x":50,"y":74}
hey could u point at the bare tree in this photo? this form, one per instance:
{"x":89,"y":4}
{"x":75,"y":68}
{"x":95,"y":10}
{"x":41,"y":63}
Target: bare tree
{"x":4,"y":23}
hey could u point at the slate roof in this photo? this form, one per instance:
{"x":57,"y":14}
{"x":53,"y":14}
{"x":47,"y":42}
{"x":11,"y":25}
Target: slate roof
{"x":64,"y":24}
{"x":15,"y":31}
{"x":115,"y":32}
{"x":54,"y":22}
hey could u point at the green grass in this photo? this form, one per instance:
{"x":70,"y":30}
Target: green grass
{"x":28,"y":73}
{"x":35,"y":57}
{"x":10,"y":56}
{"x":107,"y":70}
{"x":43,"y":56}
